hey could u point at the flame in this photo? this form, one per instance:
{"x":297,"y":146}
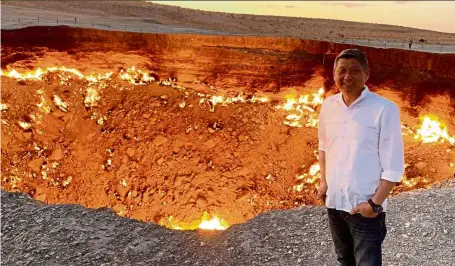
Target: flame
{"x":302,"y":107}
{"x":96,"y":78}
{"x":3,"y":107}
{"x":207,"y":222}
{"x":213,"y":223}
{"x":432,"y":131}
{"x":136,"y":77}
{"x":309,"y":178}
{"x":60,"y":104}
{"x":44,"y":106}
{"x":409,"y":182}
{"x":314,"y":169}
{"x":24,"y":125}
{"x":33,"y":75}
{"x":39,"y":73}
{"x":65,"y":70}
{"x":296,"y":108}
{"x":133,"y":75}
{"x":215,"y":100}
{"x":92,"y":97}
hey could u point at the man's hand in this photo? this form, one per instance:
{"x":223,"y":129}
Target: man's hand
{"x":364,"y":209}
{"x":322,"y":190}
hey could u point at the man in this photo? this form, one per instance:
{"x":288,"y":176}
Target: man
{"x":361,"y":157}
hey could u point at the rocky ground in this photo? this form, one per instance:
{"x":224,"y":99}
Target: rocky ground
{"x":421,"y":231}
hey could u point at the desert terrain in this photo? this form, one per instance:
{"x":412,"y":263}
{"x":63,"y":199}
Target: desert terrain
{"x":191,"y":132}
{"x":146,"y":13}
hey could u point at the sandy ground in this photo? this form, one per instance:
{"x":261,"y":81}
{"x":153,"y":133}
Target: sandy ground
{"x":137,"y":14}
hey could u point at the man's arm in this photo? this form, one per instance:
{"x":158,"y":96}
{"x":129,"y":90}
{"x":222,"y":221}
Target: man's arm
{"x":391,"y":157}
{"x":391,"y":153}
{"x":383,"y":191}
{"x":322,"y":189}
{"x":322,"y":164}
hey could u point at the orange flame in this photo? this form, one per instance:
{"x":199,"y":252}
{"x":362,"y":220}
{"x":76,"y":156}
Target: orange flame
{"x":136,"y":77}
{"x":309,"y":178}
{"x":432,"y":130}
{"x":207,"y":222}
{"x":302,"y":107}
{"x":214,"y":223}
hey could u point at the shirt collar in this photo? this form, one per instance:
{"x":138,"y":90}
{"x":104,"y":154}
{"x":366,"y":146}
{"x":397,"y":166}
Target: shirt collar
{"x":362,"y":96}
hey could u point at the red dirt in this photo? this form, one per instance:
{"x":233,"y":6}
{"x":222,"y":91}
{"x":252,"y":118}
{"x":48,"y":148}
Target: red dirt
{"x":237,"y":161}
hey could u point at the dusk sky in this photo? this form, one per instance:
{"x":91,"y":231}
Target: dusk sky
{"x":431,"y":15}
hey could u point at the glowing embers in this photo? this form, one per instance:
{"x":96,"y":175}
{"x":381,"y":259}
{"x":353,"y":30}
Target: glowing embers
{"x":409,"y":180}
{"x":64,"y":74}
{"x":207,"y":222}
{"x":212,"y":222}
{"x":60,"y":104}
{"x":303,"y":107}
{"x":3,"y":107}
{"x":43,"y":105}
{"x":93,"y":78}
{"x":303,"y":181}
{"x":24,"y":125}
{"x":39,"y":73}
{"x":309,"y":178}
{"x":97,"y":82}
{"x":91,"y":97}
{"x":214,"y":100}
{"x":136,"y":76}
{"x":433,"y":130}
{"x":33,"y":75}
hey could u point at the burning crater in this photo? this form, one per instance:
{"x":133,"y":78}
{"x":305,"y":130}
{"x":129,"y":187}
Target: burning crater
{"x":196,"y":131}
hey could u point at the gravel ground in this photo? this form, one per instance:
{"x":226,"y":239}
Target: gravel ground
{"x":421,"y":227}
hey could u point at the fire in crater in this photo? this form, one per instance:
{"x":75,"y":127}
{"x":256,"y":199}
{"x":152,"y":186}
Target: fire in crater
{"x":186,"y":154}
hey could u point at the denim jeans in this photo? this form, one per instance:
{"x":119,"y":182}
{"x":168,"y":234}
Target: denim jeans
{"x":357,"y":239}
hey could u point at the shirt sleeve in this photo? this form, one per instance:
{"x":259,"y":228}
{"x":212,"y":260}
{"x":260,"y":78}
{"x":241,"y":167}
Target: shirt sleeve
{"x":321,"y":129}
{"x":391,"y":148}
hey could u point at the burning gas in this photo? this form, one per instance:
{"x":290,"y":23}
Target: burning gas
{"x":207,"y":222}
{"x":136,"y":77}
{"x":213,"y":223}
{"x":298,"y":111}
{"x":432,"y":130}
{"x":302,"y":107}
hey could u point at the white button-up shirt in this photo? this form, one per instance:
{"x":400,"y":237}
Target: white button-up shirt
{"x":363,"y":144}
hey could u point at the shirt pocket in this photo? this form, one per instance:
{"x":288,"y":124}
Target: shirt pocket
{"x":364,"y":139}
{"x":362,"y":133}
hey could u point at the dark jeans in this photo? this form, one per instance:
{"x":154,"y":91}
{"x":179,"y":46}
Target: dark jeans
{"x":357,"y":239}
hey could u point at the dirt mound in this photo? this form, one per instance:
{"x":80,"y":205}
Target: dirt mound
{"x":189,"y":136}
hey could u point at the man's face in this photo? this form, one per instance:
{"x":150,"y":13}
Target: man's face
{"x":349,"y":75}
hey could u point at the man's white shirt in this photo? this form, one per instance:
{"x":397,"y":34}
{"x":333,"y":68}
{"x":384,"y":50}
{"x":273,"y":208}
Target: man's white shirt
{"x":363,"y":144}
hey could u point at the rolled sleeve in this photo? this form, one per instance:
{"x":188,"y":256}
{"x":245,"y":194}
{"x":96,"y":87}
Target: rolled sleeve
{"x":321,"y":129}
{"x":391,"y":148}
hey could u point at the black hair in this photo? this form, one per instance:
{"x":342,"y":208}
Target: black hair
{"x":353,"y":53}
